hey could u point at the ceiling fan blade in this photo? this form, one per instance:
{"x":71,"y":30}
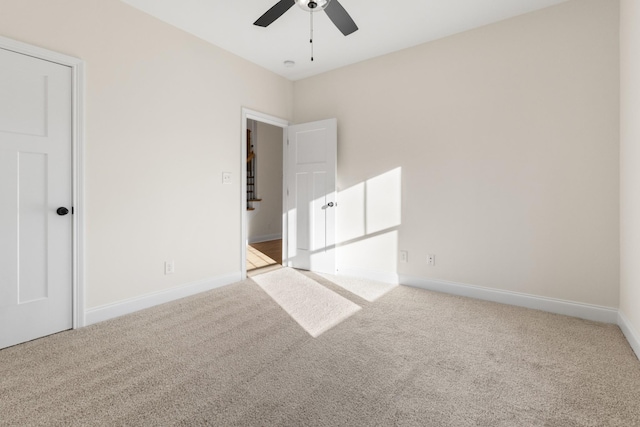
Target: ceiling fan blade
{"x":340,"y":18}
{"x":274,"y":13}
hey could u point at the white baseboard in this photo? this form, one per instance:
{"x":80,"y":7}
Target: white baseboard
{"x":631,"y":334}
{"x":377,"y":276}
{"x":552,"y":305}
{"x":120,"y":308}
{"x":267,"y":238}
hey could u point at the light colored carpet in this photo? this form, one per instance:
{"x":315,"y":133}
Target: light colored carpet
{"x":366,"y":289}
{"x":314,"y":307}
{"x":233,"y":357}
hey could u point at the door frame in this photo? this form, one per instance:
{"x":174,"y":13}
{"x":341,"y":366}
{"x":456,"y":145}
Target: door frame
{"x":77,"y":165}
{"x":274,"y":121}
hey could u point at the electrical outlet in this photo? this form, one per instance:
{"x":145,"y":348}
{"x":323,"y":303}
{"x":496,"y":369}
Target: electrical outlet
{"x":169,"y":267}
{"x":226,"y":177}
{"x":431,"y":259}
{"x":404,"y":256}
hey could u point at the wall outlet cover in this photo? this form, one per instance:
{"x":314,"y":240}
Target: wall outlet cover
{"x":169,"y":267}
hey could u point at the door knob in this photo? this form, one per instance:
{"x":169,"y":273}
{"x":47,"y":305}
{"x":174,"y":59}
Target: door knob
{"x":330,"y":204}
{"x":62,"y":211}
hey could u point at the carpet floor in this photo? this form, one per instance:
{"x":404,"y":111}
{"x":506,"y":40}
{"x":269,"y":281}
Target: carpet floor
{"x":234,"y":357}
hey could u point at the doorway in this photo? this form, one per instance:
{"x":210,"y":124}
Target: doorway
{"x":264,"y":172}
{"x":262,"y":210}
{"x":309,"y":173}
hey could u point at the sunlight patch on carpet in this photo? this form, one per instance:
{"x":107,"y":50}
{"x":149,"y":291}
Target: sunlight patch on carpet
{"x":314,"y":307}
{"x":365,"y":289}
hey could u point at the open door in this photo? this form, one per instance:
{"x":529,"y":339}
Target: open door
{"x":311,"y":196}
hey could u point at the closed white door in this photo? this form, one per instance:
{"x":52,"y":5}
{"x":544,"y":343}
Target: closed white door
{"x":311,"y":196}
{"x":35,"y":181}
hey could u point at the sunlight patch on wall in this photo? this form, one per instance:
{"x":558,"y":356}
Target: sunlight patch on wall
{"x":352,"y":216}
{"x":383,"y":201}
{"x":371,"y":206}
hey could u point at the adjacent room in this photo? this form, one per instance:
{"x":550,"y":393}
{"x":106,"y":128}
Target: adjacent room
{"x":318,"y":213}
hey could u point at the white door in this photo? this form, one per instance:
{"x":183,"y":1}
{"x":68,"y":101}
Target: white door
{"x":35,"y":180}
{"x":311,"y":196}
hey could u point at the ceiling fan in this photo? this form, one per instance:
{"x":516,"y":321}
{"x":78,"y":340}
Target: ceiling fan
{"x":332,"y":8}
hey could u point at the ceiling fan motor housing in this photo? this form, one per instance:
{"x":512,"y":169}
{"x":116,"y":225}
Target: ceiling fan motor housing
{"x":312,"y":5}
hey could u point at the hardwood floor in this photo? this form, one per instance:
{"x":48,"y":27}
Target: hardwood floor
{"x":264,"y":254}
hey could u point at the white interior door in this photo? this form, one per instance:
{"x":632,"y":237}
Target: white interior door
{"x":35,"y":180}
{"x":311,"y":196}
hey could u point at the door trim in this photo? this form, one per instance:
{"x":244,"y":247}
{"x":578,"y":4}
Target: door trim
{"x":275,"y":121}
{"x":78,"y":164}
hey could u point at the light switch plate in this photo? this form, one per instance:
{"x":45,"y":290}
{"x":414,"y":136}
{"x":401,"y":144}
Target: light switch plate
{"x":226,"y":177}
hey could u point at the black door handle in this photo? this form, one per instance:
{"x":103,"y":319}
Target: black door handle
{"x":62,"y":211}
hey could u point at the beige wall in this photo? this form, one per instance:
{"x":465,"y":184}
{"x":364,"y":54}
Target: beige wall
{"x":163,"y":113}
{"x":504,"y":141}
{"x":630,"y":164}
{"x":265,"y":223}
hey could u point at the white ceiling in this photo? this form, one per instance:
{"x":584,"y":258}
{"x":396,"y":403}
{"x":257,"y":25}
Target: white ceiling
{"x":384,"y":27}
